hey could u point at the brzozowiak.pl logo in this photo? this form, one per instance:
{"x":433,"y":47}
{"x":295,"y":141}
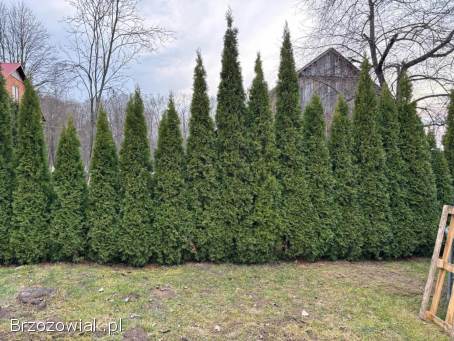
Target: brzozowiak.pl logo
{"x":91,"y":326}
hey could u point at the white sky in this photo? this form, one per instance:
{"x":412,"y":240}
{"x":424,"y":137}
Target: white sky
{"x":197,"y":24}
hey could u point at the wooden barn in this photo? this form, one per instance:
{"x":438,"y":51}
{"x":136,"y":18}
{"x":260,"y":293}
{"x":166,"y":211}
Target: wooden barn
{"x":328,"y":75}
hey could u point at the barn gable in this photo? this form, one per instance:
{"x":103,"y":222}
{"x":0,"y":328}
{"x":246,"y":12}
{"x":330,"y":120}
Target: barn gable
{"x":329,"y":75}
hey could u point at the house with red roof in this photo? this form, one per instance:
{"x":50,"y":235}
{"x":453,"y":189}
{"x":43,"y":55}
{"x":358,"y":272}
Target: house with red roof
{"x":14,"y":78}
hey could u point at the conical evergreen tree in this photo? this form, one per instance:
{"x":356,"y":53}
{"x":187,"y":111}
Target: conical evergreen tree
{"x":299,"y":224}
{"x":171,"y":218}
{"x":448,"y":138}
{"x":258,"y":241}
{"x":370,"y":164}
{"x":201,"y":166}
{"x":348,"y":238}
{"x":68,"y":225}
{"x":103,"y":209}
{"x":445,"y":191}
{"x":6,"y":171}
{"x":232,"y":146}
{"x":400,"y":217}
{"x":420,"y":188}
{"x":134,"y":235}
{"x":319,"y":175}
{"x":32,"y":194}
{"x":14,"y":120}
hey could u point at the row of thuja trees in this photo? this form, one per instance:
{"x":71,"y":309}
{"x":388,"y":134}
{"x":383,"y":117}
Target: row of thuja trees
{"x":251,"y":187}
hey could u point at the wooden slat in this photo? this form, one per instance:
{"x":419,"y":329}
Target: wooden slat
{"x":450,"y":312}
{"x":446,"y":266}
{"x":435,"y":256}
{"x":437,"y":292}
{"x":442,"y":273}
{"x":439,"y":322}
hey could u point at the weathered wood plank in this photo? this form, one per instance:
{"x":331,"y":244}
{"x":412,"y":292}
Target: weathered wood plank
{"x":433,"y":265}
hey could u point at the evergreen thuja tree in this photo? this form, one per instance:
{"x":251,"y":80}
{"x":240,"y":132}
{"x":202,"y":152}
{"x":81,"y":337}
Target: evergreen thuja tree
{"x":445,"y":191}
{"x":400,"y":214}
{"x":32,"y":194}
{"x":420,"y":188}
{"x":6,"y":171}
{"x":299,"y":224}
{"x":103,"y":195}
{"x":448,"y":138}
{"x":258,"y":241}
{"x":200,"y":166}
{"x":348,"y":239}
{"x":171,"y":218}
{"x":134,"y":235}
{"x":319,"y":176}
{"x":68,"y":223}
{"x":370,"y":162}
{"x":235,"y":199}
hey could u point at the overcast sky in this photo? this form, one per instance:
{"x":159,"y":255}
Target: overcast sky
{"x":197,"y":24}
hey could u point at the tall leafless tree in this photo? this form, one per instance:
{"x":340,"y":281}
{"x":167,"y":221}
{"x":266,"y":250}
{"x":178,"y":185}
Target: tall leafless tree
{"x":414,"y":36}
{"x":24,"y":40}
{"x":105,"y":36}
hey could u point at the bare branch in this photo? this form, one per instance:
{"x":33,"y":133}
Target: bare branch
{"x":105,"y":37}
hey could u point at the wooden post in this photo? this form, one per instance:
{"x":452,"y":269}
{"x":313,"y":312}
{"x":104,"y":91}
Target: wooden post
{"x":433,"y":265}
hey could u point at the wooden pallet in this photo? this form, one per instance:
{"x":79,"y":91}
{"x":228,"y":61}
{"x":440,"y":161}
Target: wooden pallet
{"x":443,"y":266}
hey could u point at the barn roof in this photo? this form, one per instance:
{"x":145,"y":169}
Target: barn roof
{"x":331,"y":50}
{"x":9,"y":68}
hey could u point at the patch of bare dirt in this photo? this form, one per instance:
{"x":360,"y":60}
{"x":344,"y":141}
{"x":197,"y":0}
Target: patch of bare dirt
{"x":164,"y":292}
{"x":369,"y":274}
{"x":135,"y":334}
{"x":389,"y":279}
{"x":131,"y":297}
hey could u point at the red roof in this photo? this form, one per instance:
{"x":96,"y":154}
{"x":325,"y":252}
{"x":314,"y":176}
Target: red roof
{"x":9,"y":68}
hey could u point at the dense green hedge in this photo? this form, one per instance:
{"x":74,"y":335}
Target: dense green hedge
{"x":249,"y":187}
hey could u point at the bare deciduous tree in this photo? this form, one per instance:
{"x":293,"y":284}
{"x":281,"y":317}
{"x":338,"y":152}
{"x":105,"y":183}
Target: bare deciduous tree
{"x":105,"y":37}
{"x":155,"y":106}
{"x":24,"y":40}
{"x":415,"y":36}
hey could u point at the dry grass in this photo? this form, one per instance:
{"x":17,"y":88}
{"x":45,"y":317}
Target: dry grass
{"x":345,"y":301}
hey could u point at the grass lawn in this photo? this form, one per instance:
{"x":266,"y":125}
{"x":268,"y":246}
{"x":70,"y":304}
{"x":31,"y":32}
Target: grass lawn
{"x":343,"y":301}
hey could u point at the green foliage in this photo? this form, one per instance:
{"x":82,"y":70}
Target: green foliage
{"x":171,"y":218}
{"x":319,"y":176}
{"x":235,"y":200}
{"x":103,"y":195}
{"x":420,"y":187}
{"x":32,"y":194}
{"x":348,"y":237}
{"x":443,"y":178}
{"x":201,"y":166}
{"x":258,"y":241}
{"x":400,"y":214}
{"x":6,"y":171}
{"x":448,"y":138}
{"x":299,"y":224}
{"x":134,"y":235}
{"x":68,"y":224}
{"x":370,"y":162}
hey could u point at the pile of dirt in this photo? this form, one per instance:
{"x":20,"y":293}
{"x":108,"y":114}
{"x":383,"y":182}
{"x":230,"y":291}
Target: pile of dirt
{"x":35,"y":296}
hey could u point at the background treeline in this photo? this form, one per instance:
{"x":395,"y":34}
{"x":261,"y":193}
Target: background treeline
{"x":249,"y":187}
{"x":57,"y":107}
